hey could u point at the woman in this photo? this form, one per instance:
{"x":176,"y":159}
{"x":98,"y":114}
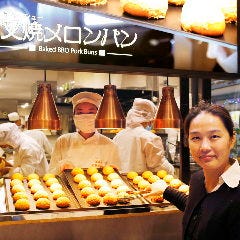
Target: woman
{"x":212,"y":210}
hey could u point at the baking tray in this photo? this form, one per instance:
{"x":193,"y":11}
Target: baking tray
{"x":135,"y":205}
{"x":33,"y":209}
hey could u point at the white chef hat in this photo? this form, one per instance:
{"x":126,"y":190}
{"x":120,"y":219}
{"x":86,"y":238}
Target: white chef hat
{"x":89,"y":97}
{"x":143,"y":110}
{"x":13,"y":116}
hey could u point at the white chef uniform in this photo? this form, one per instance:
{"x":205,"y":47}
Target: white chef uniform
{"x":140,"y":149}
{"x":29,"y":157}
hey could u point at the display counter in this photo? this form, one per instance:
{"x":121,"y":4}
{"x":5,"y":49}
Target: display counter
{"x":157,"y":224}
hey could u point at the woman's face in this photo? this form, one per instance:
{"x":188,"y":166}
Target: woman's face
{"x":209,"y":142}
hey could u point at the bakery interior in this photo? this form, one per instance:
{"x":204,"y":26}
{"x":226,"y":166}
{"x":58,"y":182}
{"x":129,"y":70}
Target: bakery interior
{"x":165,"y":57}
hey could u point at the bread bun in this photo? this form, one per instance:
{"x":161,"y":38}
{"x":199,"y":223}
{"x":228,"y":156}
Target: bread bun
{"x":131,"y":175}
{"x":63,"y":202}
{"x":55,"y":186}
{"x":17,"y":188}
{"x":92,"y":170}
{"x":50,"y":181}
{"x":110,"y":199}
{"x":143,"y":184}
{"x":33,"y":176}
{"x":175,"y":183}
{"x":104,"y":190}
{"x":43,"y":203}
{"x":77,"y":170}
{"x":168,"y":178}
{"x":107,"y":170}
{"x":22,"y":204}
{"x":19,"y":195}
{"x":153,"y":178}
{"x":15,"y":182}
{"x":33,"y":182}
{"x":40,"y":194}
{"x":96,"y":176}
{"x":17,"y":176}
{"x":93,"y":199}
{"x":162,"y":173}
{"x":229,"y":8}
{"x":47,"y":176}
{"x":79,"y":177}
{"x":36,"y":187}
{"x":87,"y":191}
{"x":146,"y":8}
{"x":203,"y":17}
{"x":147,"y":174}
{"x":115,"y":183}
{"x":83,"y":184}
{"x":58,"y":193}
{"x":157,"y":198}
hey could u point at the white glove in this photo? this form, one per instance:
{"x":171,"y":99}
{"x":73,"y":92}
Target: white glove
{"x":157,"y":188}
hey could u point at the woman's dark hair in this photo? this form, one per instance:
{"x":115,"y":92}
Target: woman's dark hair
{"x":215,"y":110}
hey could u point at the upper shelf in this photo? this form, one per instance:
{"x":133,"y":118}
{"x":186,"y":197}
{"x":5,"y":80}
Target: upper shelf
{"x":170,"y":24}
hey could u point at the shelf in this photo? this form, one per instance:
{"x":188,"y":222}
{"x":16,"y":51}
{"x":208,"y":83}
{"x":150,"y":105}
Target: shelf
{"x":170,"y":24}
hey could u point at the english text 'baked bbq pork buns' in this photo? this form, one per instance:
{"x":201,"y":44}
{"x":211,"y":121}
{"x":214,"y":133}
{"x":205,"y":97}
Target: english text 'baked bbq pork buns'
{"x":203,"y":17}
{"x":86,"y":2}
{"x":146,"y":8}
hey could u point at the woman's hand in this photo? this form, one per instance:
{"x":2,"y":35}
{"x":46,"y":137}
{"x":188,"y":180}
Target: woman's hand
{"x":156,"y":188}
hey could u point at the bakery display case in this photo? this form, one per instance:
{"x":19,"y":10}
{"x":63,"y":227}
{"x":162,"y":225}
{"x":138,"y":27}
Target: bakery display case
{"x":144,"y":220}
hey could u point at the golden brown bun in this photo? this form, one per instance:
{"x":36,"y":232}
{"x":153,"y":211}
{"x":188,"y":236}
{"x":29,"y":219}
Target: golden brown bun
{"x":79,"y":177}
{"x":22,"y":204}
{"x":17,"y":188}
{"x":40,"y":194}
{"x":113,"y":176}
{"x":19,"y":195}
{"x":55,"y":186}
{"x":87,"y":191}
{"x":33,"y":182}
{"x":83,"y":184}
{"x":43,"y":203}
{"x":58,"y":193}
{"x":209,"y":29}
{"x":86,"y":2}
{"x":17,"y":176}
{"x":135,"y":9}
{"x":107,"y":170}
{"x":131,"y":175}
{"x":15,"y":182}
{"x":63,"y":202}
{"x":47,"y":176}
{"x":175,"y":183}
{"x":143,"y":184}
{"x":96,"y":176}
{"x":36,"y":187}
{"x":77,"y":170}
{"x":203,"y":17}
{"x":176,"y":2}
{"x":162,"y":173}
{"x":156,"y":198}
{"x":147,"y":174}
{"x":104,"y":190}
{"x":93,"y":199}
{"x":110,"y":199}
{"x":32,"y":176}
{"x":153,"y":178}
{"x":50,"y":181}
{"x":92,"y":170}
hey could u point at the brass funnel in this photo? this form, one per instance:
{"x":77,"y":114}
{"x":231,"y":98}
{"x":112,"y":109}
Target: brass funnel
{"x":44,"y":113}
{"x":110,"y":113}
{"x":168,"y":114}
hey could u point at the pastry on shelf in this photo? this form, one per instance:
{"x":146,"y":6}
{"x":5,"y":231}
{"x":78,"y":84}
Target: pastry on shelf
{"x":104,"y":190}
{"x":96,"y":176}
{"x":155,"y":9}
{"x":83,"y":184}
{"x":229,"y":8}
{"x":157,"y":198}
{"x":87,"y":191}
{"x":137,"y":179}
{"x":110,"y":199}
{"x":147,"y":174}
{"x":203,"y":17}
{"x":153,"y":178}
{"x":161,"y":173}
{"x":33,"y":182}
{"x":92,"y":170}
{"x":184,"y":188}
{"x":55,"y":186}
{"x":168,"y":178}
{"x":115,"y":183}
{"x":175,"y":183}
{"x":86,"y":2}
{"x":100,"y":183}
{"x":50,"y":181}
{"x":36,"y":187}
{"x":143,"y":184}
{"x":17,"y":188}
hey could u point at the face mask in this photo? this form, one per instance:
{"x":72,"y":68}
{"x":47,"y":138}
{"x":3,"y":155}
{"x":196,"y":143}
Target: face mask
{"x":85,"y":122}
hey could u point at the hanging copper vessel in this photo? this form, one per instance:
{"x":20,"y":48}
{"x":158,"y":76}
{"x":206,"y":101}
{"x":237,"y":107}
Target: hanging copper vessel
{"x":168,"y":114}
{"x":44,"y":113}
{"x":110,"y":113}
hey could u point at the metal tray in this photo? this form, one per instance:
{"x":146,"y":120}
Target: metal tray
{"x":163,"y":204}
{"x":138,"y":202}
{"x":33,"y":209}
